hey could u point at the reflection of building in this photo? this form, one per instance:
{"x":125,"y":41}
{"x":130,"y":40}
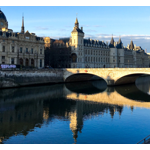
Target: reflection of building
{"x":88,"y":53}
{"x":21,"y":110}
{"x":20,"y":118}
{"x":22,"y":48}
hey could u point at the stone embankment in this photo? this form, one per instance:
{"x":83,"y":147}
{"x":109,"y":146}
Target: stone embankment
{"x":32,"y":77}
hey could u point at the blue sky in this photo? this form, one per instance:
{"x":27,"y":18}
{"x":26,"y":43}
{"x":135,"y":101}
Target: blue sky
{"x":99,"y":22}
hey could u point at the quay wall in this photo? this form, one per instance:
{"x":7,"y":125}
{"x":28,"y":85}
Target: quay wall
{"x":32,"y":77}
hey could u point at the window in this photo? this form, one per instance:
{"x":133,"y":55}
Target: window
{"x":13,"y":49}
{"x":40,"y":51}
{"x":3,"y":48}
{"x":85,"y":59}
{"x":31,"y":50}
{"x":3,"y":57}
{"x":12,"y":60}
{"x":20,"y":49}
{"x":27,"y":50}
{"x":40,"y":62}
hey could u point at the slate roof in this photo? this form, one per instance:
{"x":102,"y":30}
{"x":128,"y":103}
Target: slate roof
{"x":111,"y":45}
{"x":65,"y":40}
{"x":8,"y":34}
{"x":131,"y":46}
{"x":77,"y":30}
{"x":89,"y":41}
{"x":119,"y":44}
{"x":2,"y":16}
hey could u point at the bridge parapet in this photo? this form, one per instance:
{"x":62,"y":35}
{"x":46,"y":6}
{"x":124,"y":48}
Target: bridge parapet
{"x":112,"y":76}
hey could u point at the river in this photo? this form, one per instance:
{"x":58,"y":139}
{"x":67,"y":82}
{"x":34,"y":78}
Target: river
{"x":82,"y":113}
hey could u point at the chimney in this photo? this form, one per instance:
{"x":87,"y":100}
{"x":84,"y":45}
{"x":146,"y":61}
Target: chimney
{"x":82,"y":28}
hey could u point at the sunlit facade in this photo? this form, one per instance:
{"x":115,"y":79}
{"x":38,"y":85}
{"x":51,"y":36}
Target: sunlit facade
{"x":89,"y":53}
{"x":22,"y":48}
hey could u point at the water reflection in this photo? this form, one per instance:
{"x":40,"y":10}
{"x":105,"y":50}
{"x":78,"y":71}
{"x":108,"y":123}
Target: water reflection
{"x":22,"y":110}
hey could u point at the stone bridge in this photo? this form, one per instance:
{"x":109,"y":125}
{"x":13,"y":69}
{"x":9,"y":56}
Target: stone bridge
{"x":112,"y":76}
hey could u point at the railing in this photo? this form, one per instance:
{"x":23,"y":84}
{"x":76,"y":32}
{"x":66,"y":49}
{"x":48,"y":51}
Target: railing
{"x":143,"y":140}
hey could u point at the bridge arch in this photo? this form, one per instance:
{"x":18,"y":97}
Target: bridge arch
{"x":83,"y":77}
{"x":129,"y":78}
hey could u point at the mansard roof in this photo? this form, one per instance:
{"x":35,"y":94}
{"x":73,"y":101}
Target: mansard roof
{"x":9,"y":34}
{"x":65,"y":40}
{"x":90,"y":41}
{"x":77,"y":30}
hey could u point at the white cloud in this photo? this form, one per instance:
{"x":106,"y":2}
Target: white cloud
{"x":139,"y":40}
{"x":41,"y":28}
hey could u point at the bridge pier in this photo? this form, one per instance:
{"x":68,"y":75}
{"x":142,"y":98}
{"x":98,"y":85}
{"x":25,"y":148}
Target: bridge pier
{"x":112,"y":76}
{"x":110,"y":82}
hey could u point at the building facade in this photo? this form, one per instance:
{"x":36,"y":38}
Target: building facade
{"x":20,"y":48}
{"x":88,"y":53}
{"x":57,"y":53}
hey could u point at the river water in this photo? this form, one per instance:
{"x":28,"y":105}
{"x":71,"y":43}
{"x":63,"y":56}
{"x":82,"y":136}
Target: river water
{"x":83,"y":112}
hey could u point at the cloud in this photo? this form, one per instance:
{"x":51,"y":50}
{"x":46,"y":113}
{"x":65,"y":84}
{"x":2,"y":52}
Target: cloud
{"x":139,"y":40}
{"x":85,"y":25}
{"x":89,"y":30}
{"x":41,"y":28}
{"x":64,"y":29}
{"x":98,"y":26}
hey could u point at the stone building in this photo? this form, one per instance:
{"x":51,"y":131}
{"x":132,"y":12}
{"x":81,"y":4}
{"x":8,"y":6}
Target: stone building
{"x":57,"y":53}
{"x":88,"y":53}
{"x":22,"y":48}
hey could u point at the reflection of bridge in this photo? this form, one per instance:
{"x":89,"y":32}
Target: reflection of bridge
{"x":23,"y":109}
{"x":112,"y":76}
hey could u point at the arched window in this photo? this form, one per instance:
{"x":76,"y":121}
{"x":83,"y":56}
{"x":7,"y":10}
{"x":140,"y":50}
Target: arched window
{"x":21,"y":61}
{"x":74,"y":57}
{"x":32,"y":62}
{"x":27,"y":62}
